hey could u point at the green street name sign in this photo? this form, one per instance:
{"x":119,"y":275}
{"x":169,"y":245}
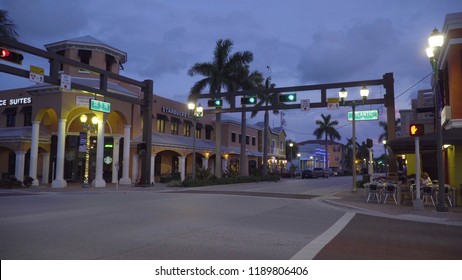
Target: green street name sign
{"x":369,"y":115}
{"x":101,"y":106}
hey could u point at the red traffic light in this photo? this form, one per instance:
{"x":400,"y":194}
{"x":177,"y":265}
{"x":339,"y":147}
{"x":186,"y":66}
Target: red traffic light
{"x":11,"y":56}
{"x":416,"y":129}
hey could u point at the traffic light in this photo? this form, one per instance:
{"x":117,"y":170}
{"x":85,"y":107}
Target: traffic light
{"x":369,"y":143}
{"x":11,"y":56}
{"x":292,"y":97}
{"x":416,"y":129}
{"x":249,"y":100}
{"x":215,"y":103}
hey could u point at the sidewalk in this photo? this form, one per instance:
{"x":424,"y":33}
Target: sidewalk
{"x":357,"y":202}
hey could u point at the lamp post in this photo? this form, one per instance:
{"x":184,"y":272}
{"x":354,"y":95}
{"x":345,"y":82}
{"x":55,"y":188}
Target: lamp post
{"x":364,"y":92}
{"x":197,"y":112}
{"x":384,"y":142}
{"x":291,"y":145}
{"x":435,"y":42}
{"x":89,"y":128}
{"x":299,"y":163}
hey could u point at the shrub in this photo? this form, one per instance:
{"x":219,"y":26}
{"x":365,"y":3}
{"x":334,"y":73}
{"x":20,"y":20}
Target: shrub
{"x":28,"y":181}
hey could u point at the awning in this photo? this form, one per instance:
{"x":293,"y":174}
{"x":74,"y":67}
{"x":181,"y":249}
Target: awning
{"x":162,"y":117}
{"x":26,"y":109}
{"x":174,"y":119}
{"x":427,"y":142}
{"x":10,"y":111}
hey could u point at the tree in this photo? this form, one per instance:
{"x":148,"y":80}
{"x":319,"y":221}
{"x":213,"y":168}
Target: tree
{"x":384,"y":125}
{"x":247,"y":81}
{"x":326,"y":128}
{"x":264,"y":100}
{"x":221,"y":73}
{"x":7,"y":27}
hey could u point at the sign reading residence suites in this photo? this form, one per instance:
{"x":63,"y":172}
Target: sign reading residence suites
{"x":15,"y":101}
{"x":369,"y":115}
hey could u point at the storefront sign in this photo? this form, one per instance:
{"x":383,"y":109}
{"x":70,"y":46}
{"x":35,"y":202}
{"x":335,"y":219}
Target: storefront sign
{"x":15,"y":101}
{"x":176,"y":112}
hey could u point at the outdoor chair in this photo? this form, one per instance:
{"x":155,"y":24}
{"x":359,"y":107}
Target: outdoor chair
{"x":390,"y":190}
{"x":427,"y":192}
{"x":447,"y":194}
{"x":373,"y":192}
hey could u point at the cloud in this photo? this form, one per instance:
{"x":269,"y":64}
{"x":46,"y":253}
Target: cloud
{"x":337,"y":55}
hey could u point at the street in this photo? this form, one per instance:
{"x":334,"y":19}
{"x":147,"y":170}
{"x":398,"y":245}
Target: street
{"x":247,"y":221}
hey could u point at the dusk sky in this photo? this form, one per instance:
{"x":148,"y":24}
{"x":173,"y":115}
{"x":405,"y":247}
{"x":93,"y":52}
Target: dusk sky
{"x":304,"y":42}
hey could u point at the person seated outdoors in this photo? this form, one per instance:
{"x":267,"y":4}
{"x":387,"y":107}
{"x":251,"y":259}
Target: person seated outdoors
{"x":426,"y":179}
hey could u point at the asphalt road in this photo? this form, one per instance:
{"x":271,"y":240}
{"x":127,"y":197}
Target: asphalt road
{"x":248,"y":221}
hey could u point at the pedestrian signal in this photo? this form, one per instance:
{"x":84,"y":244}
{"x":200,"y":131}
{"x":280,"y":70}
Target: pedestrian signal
{"x":416,"y":129}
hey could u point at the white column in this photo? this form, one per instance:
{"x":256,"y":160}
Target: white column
{"x":34,"y":153}
{"x":134,"y":167}
{"x":59,"y":182}
{"x":125,"y":180}
{"x":182,"y":166}
{"x":224,"y":164}
{"x":205,"y":163}
{"x":19,"y":166}
{"x":153,"y":157}
{"x":46,"y":167}
{"x":115,"y":159}
{"x":99,"y":182}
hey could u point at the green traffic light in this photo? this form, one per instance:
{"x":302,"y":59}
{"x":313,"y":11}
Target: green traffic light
{"x":252,"y":100}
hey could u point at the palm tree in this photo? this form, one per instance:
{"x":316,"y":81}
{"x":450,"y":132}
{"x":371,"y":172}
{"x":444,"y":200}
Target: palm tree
{"x":326,"y":128}
{"x":264,"y":100}
{"x":246,"y":82}
{"x":7,"y":27}
{"x":384,"y":125}
{"x":221,"y":73}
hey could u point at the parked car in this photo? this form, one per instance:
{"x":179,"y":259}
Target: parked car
{"x":308,"y":173}
{"x":334,"y":171}
{"x":320,"y":172}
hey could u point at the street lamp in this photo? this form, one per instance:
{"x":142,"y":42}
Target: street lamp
{"x":384,"y":142}
{"x":435,"y":42}
{"x":299,"y":163}
{"x":88,"y":128}
{"x":197,"y":112}
{"x":364,"y":92}
{"x":291,"y":145}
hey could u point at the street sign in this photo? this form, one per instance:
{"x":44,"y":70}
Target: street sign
{"x":36,"y":74}
{"x":65,"y":82}
{"x":368,"y":115}
{"x":101,"y":106}
{"x":332,"y":103}
{"x":305,"y":104}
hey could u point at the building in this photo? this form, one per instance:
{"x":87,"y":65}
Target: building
{"x":277,"y":162}
{"x":313,"y":154}
{"x":42,"y":136}
{"x":450,"y":81}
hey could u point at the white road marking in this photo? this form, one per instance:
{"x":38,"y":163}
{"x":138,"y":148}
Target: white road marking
{"x":314,"y":247}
